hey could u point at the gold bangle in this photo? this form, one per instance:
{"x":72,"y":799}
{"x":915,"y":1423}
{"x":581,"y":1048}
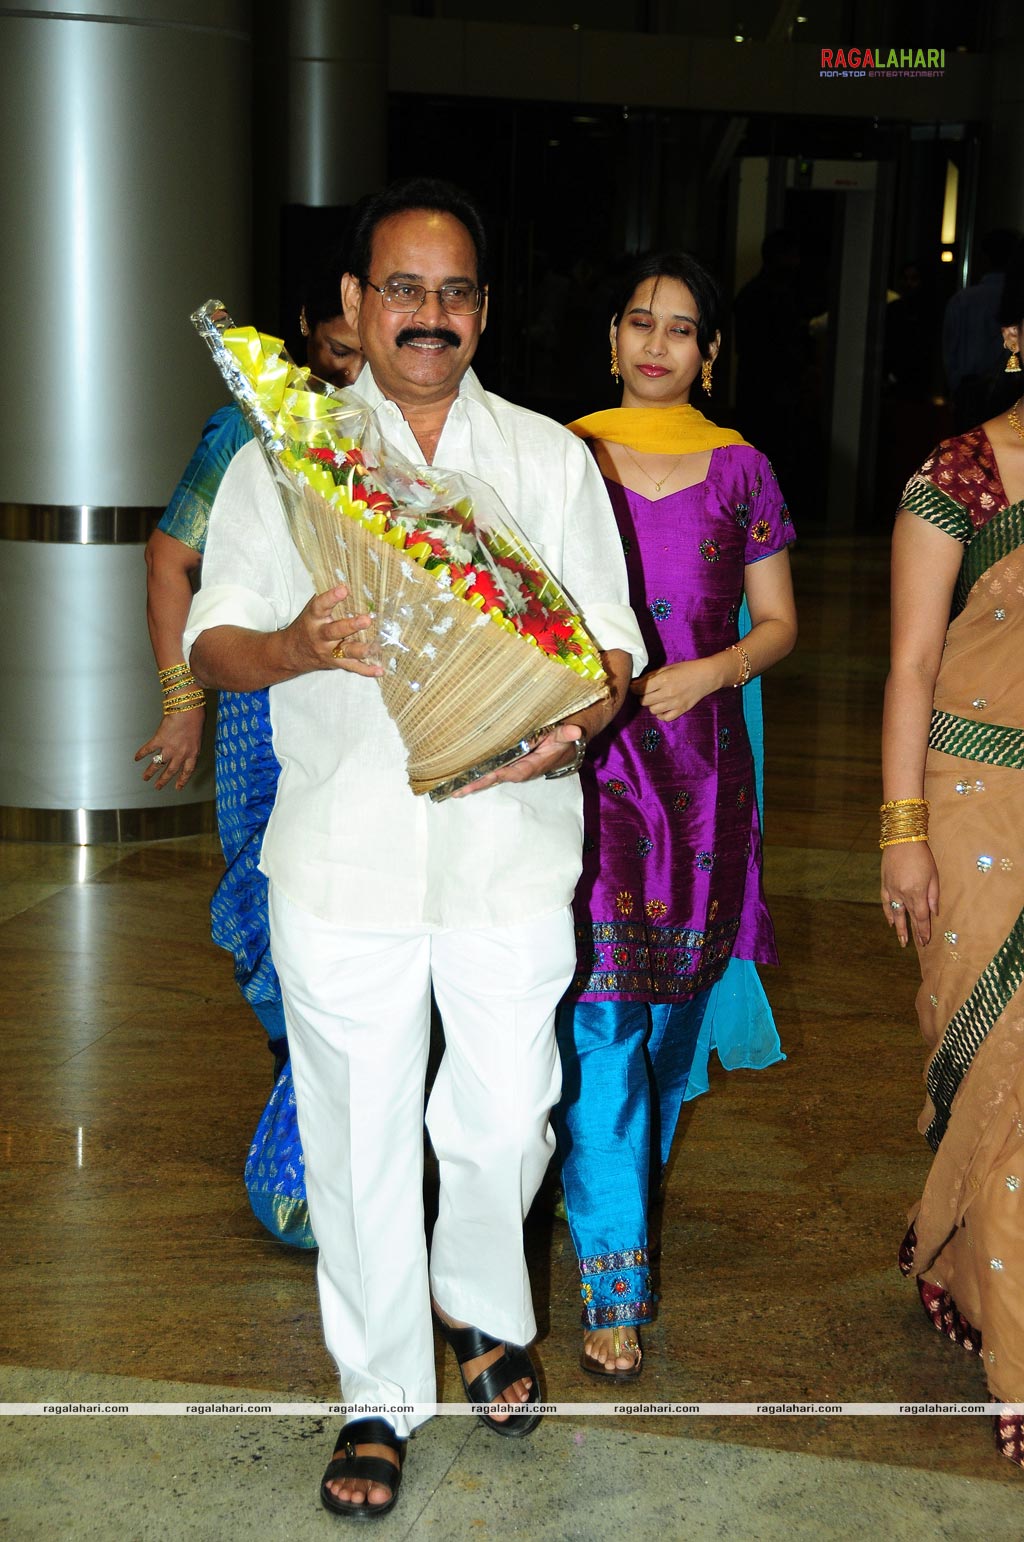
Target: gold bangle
{"x":903,"y":821}
{"x":184,"y":703}
{"x":904,"y":816}
{"x":172,"y":672}
{"x":189,"y":683}
{"x":744,"y":674}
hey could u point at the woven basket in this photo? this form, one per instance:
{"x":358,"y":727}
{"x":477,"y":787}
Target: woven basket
{"x":461,"y":691}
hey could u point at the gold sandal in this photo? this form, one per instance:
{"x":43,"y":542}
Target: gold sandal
{"x":629,"y":1345}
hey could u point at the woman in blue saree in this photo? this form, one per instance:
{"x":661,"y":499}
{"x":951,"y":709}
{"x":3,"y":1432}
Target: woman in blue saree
{"x":246,"y":769}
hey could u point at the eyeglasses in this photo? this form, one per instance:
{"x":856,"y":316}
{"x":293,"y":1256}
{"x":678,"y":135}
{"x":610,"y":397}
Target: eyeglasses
{"x":456,"y":299}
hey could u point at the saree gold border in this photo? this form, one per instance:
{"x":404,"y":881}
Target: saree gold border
{"x":970,"y":1025}
{"x":102,"y":827}
{"x":77,"y":524}
{"x":1003,"y":534}
{"x":291,"y":1219}
{"x":992,"y":744}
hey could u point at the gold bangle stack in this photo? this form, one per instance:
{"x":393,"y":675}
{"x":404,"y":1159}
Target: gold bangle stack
{"x":173,"y":674}
{"x":180,"y":689}
{"x":903,"y":820}
{"x":744,"y":674}
{"x":184,"y":703}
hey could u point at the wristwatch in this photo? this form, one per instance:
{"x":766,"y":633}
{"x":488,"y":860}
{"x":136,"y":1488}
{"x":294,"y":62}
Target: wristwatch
{"x":580,"y":746}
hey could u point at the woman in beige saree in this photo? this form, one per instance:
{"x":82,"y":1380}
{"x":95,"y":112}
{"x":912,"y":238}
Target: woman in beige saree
{"x":953,"y":872}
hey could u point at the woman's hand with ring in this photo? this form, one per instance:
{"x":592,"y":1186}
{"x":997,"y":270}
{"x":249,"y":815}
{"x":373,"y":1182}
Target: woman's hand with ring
{"x":910,"y":891}
{"x":171,"y":754}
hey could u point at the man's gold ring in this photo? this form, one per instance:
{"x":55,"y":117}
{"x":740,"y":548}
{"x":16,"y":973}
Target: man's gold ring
{"x":339,"y":649}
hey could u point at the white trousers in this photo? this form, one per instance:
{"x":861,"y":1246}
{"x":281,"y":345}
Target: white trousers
{"x":357,"y":1006}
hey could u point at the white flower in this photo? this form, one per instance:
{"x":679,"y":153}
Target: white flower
{"x":460,"y":549}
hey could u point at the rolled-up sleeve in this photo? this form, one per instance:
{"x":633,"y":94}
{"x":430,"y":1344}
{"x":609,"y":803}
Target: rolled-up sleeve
{"x":248,"y":573}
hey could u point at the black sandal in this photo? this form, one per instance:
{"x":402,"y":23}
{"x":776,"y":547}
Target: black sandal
{"x":376,"y":1469}
{"x":514,"y":1365}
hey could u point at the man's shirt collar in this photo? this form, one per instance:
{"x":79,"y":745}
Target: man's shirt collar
{"x":472,"y":398}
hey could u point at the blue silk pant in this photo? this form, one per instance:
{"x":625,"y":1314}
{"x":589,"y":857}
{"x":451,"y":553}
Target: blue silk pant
{"x":625,"y":1066}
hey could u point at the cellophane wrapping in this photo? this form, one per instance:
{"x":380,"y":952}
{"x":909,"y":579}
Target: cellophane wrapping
{"x":482,"y":648}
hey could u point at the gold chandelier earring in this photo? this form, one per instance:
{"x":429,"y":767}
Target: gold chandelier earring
{"x":615,"y":363}
{"x":303,"y":323}
{"x":1013,"y":362}
{"x":705,"y":377}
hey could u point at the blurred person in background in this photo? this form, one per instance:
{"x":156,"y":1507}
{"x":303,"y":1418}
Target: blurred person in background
{"x":972,"y":344}
{"x":777,"y":395}
{"x":245,"y":764}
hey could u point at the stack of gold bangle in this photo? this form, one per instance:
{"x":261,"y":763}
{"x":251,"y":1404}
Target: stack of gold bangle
{"x":903,"y":820}
{"x":181,"y":691}
{"x":744,"y":674}
{"x":184,"y":703}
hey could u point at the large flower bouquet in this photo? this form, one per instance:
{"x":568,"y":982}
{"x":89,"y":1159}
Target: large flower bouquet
{"x":482,"y":648}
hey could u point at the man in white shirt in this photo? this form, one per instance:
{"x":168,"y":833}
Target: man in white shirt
{"x":376,"y":895}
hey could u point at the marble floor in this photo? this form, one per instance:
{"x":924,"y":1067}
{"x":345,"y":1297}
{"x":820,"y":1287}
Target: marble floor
{"x":132,"y":1269}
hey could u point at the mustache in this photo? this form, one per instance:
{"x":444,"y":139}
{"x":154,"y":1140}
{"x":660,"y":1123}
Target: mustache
{"x":440,"y":334}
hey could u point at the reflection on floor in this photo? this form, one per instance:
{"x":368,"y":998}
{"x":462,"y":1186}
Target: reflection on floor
{"x":132,"y":1267}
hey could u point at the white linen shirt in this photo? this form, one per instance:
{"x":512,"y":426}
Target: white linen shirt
{"x":347,"y":840}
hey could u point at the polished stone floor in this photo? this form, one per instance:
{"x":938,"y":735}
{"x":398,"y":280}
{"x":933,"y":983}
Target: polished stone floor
{"x":131,"y":1267}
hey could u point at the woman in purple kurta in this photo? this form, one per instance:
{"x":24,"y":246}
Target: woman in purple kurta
{"x":671,"y":886}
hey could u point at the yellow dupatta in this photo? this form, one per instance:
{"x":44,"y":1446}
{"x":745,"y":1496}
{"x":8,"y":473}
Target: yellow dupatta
{"x":656,"y":430}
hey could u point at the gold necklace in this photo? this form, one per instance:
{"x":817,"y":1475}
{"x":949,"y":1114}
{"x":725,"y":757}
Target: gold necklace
{"x":671,"y":471}
{"x":1015,"y":422}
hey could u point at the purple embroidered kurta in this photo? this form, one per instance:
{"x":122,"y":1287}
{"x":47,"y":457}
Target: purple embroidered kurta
{"x":671,"y":884}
